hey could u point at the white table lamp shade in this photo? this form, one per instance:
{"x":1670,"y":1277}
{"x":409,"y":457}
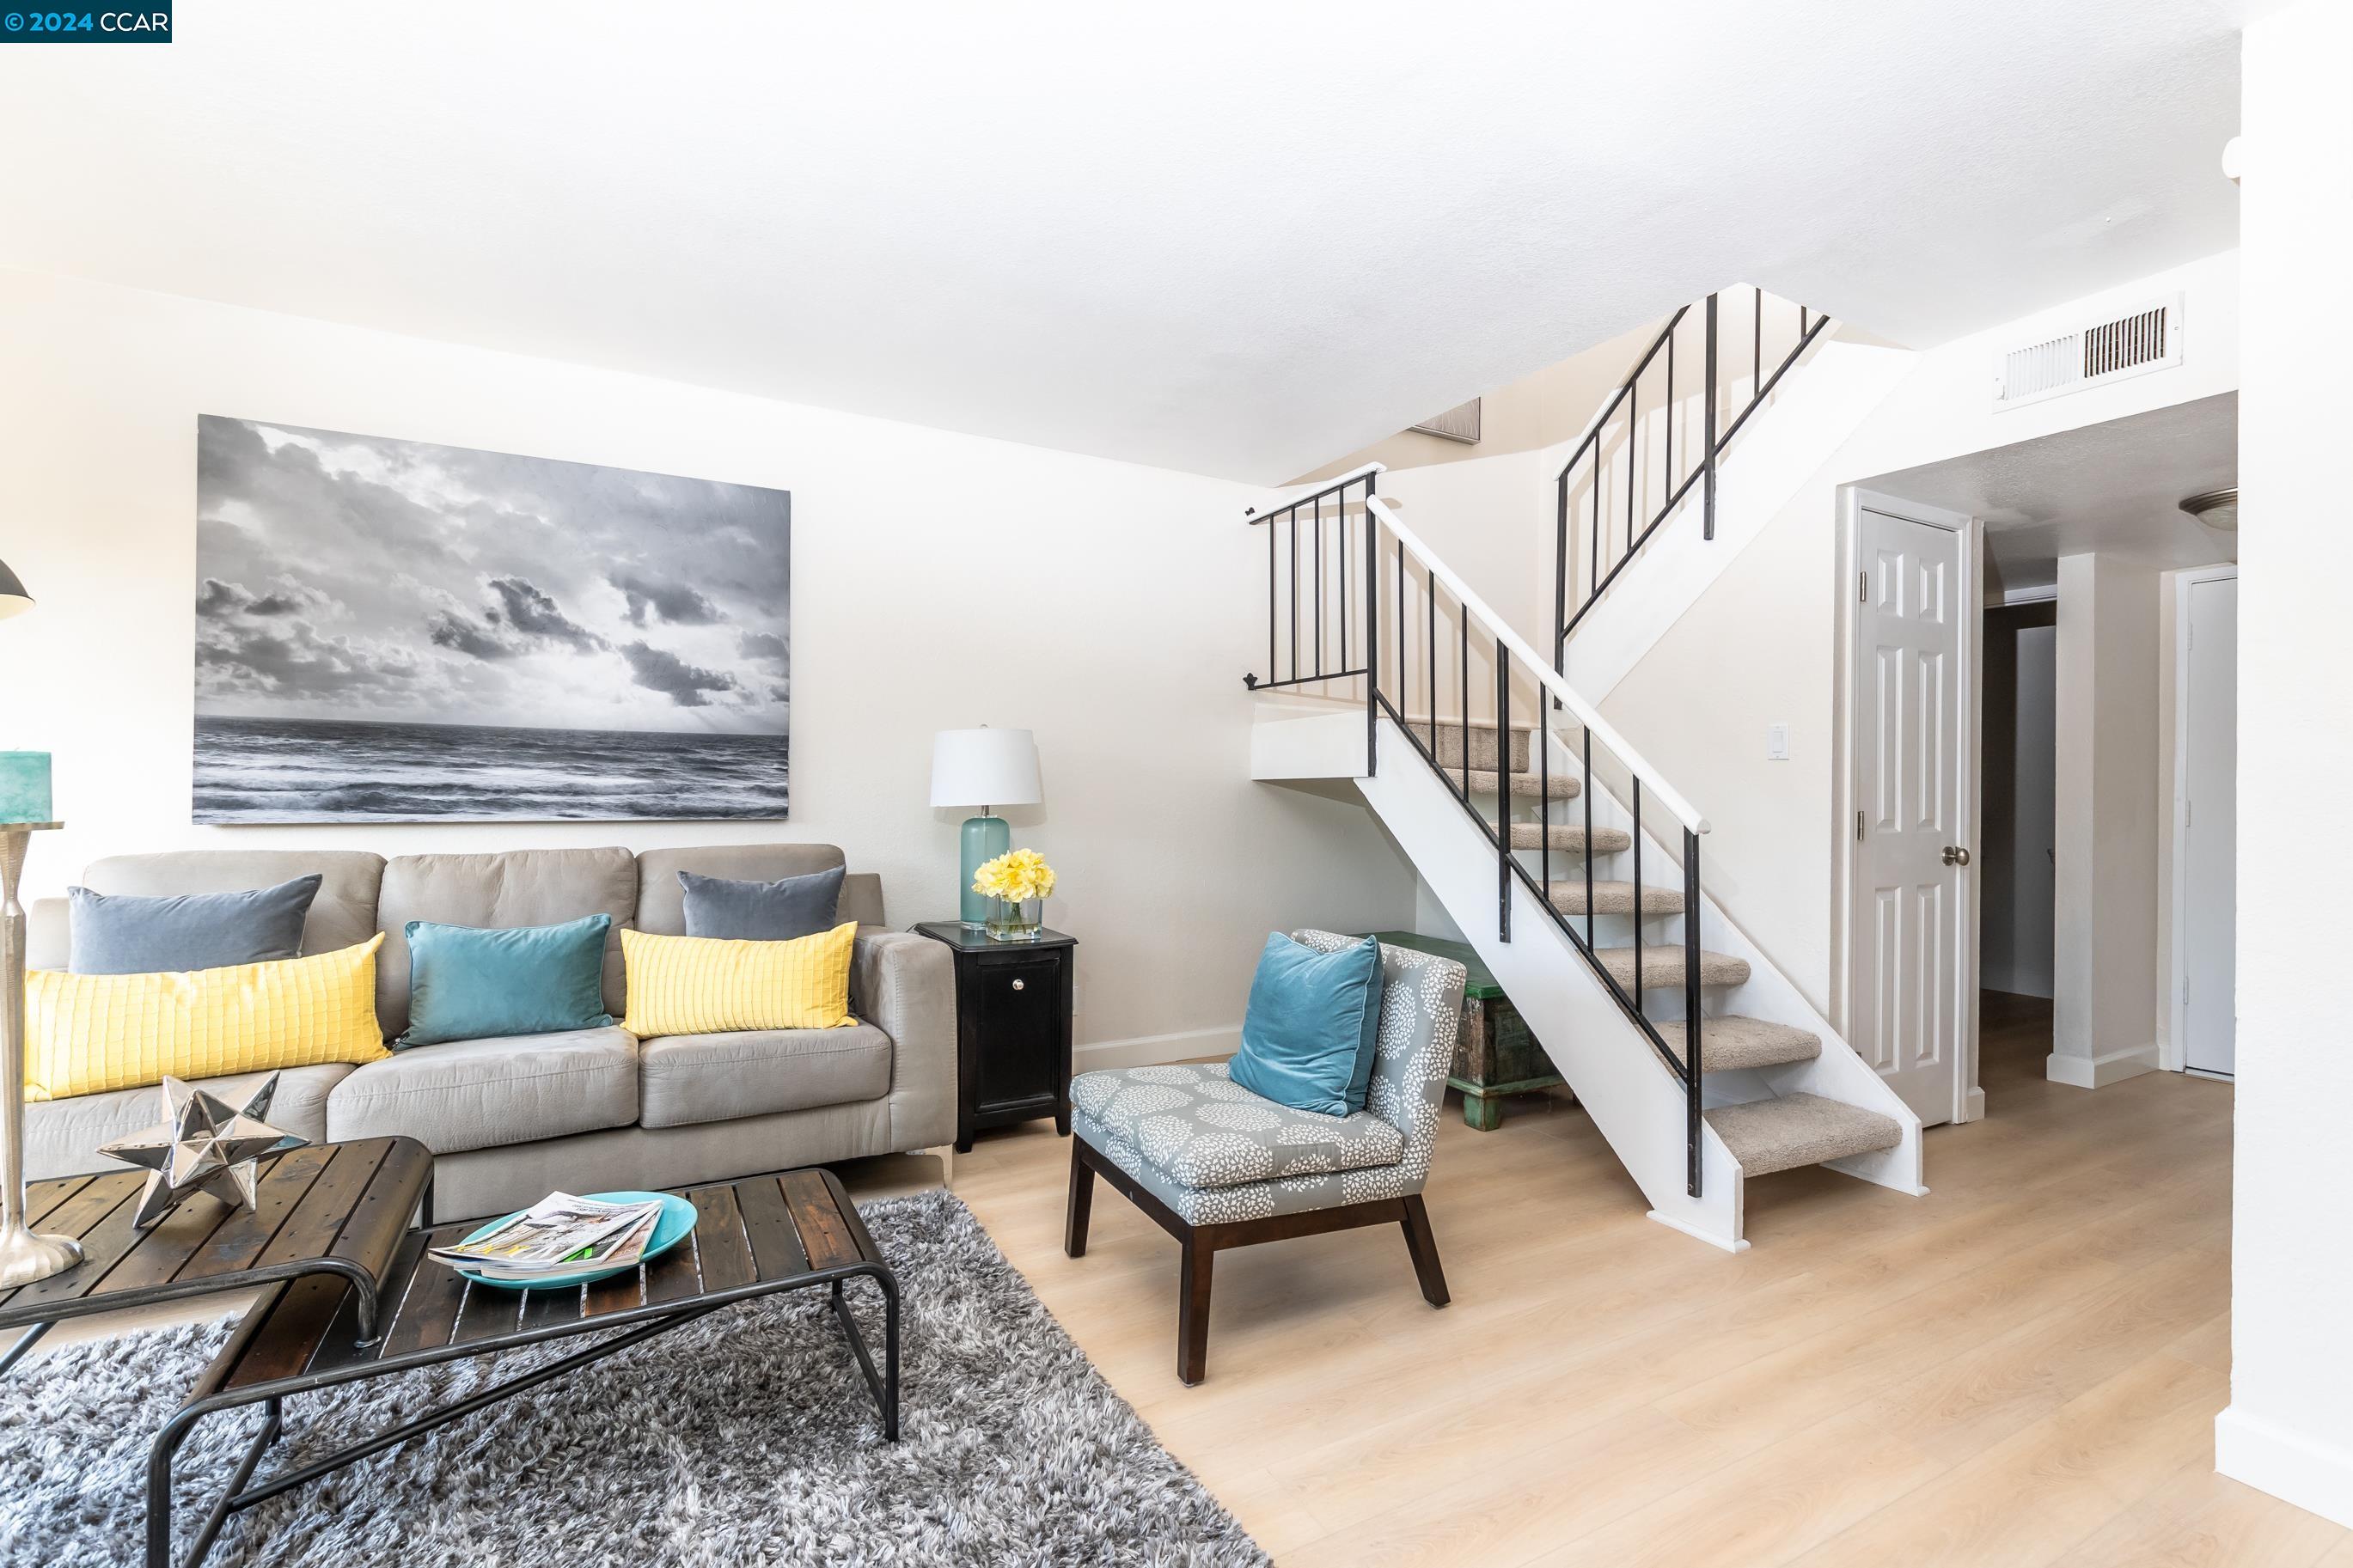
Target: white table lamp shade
{"x":985,"y":767}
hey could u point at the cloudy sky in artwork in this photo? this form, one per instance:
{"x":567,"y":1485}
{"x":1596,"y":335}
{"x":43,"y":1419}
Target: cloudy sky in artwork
{"x":357,"y":577}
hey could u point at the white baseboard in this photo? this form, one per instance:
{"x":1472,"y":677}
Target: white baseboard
{"x":2315,"y":1477}
{"x":2098,"y":1072}
{"x":1152,"y":1050}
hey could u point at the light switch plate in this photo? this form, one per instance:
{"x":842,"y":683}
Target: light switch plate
{"x":1776,"y":743}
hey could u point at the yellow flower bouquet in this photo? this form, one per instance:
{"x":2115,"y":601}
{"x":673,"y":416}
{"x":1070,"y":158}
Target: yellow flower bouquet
{"x":1017,"y":883}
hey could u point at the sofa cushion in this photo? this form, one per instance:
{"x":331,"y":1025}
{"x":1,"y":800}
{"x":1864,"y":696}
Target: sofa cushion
{"x":472,"y":1094}
{"x":686,"y":1078}
{"x":62,"y":1136}
{"x":343,"y":914}
{"x":466,"y":983}
{"x":132,"y":933}
{"x":520,"y":888}
{"x":780,"y":911}
{"x":1201,"y":1130}
{"x":661,"y":901}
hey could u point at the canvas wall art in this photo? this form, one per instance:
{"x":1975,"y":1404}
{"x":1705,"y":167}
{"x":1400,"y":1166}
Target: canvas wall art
{"x":391,"y":631}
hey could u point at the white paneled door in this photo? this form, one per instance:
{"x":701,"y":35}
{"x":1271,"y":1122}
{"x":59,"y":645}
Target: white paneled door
{"x":1912,"y":936}
{"x":2210,"y":767}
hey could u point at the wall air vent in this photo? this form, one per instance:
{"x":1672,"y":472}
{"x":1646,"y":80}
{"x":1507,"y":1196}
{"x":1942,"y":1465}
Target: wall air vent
{"x":1460,"y":423}
{"x":2109,"y":348}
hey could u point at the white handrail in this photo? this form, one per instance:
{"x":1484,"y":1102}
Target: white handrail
{"x":1617,"y":744}
{"x":1317,"y":486}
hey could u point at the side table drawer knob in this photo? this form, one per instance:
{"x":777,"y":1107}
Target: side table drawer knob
{"x":1019,"y":985}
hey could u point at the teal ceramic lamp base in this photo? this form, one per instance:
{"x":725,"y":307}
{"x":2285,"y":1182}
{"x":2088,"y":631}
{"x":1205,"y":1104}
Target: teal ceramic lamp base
{"x":984,"y":838}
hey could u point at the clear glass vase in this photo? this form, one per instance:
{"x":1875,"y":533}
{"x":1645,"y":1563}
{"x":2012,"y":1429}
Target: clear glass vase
{"x":1015,"y":919}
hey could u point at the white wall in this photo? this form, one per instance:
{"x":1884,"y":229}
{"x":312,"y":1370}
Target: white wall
{"x":2289,"y":1427}
{"x":2104,"y":1019}
{"x":940,"y":581}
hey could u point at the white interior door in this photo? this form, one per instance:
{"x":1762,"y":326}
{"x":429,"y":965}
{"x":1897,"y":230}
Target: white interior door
{"x":1912,"y":920}
{"x":2209,"y":854}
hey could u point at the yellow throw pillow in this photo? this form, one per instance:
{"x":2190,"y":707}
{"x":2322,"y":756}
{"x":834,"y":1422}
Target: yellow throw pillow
{"x":706,"y":985}
{"x":85,"y":1034}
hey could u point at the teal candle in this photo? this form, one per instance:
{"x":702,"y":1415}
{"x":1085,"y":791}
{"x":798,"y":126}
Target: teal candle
{"x":25,"y":786}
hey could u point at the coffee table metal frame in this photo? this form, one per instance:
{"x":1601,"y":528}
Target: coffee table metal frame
{"x":345,"y":1337}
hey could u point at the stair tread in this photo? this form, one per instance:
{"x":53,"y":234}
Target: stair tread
{"x":1486,"y":781}
{"x":1570,"y":838}
{"x":1663,"y":966}
{"x":1614,"y":898}
{"x":1768,"y":1135}
{"x":1728,"y":1042}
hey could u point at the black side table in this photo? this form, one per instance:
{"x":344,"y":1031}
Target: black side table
{"x":1013,"y":1027}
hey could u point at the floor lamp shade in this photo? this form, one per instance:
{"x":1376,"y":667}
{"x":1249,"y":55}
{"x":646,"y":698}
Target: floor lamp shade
{"x":983,"y":768}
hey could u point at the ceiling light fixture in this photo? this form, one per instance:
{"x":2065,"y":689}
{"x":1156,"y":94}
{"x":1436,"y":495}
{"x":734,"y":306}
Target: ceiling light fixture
{"x":2218,"y":509}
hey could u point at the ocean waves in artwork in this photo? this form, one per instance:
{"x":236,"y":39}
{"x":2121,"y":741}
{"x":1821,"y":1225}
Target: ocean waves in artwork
{"x":285,"y":770}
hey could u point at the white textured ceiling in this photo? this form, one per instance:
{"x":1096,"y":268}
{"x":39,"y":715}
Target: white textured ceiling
{"x":2114,"y":487}
{"x":1233,"y":238}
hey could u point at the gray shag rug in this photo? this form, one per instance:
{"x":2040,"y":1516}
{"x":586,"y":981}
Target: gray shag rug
{"x":747,"y":1437}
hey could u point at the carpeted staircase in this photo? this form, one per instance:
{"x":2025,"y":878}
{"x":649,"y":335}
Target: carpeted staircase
{"x":1779,"y":1133}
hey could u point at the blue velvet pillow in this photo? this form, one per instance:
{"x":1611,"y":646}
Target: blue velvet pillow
{"x":1314,"y":1021}
{"x":118,"y":933}
{"x":466,"y":983}
{"x":781,"y":911}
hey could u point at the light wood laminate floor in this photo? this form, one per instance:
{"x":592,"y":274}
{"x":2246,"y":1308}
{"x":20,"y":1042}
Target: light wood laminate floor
{"x":2022,"y":1368}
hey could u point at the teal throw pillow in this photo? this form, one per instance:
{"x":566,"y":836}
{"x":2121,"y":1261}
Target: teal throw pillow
{"x":1310,"y":1032}
{"x":466,"y":983}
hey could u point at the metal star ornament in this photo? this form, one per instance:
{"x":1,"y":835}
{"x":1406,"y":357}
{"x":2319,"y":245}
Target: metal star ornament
{"x":206,"y":1145}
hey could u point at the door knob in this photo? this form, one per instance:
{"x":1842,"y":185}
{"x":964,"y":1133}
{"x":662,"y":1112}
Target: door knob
{"x":1956,"y":856}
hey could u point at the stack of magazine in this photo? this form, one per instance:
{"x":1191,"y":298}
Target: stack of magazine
{"x":558,"y":1235}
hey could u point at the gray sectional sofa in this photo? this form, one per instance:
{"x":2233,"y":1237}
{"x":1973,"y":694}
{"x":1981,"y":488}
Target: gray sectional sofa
{"x":509,"y":1119}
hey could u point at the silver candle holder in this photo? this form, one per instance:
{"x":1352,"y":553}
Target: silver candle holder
{"x":25,"y":1255}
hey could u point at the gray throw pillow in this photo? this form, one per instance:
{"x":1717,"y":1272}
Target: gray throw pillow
{"x":120,"y":933}
{"x":762,"y":911}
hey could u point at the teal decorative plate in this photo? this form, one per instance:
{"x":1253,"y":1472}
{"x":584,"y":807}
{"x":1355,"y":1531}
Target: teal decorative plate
{"x":676,"y":1223}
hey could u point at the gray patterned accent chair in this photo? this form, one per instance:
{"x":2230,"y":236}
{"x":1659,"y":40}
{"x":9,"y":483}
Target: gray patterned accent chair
{"x":1217,"y":1166}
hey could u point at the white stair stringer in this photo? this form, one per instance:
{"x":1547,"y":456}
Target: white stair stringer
{"x":1634,"y":1100}
{"x":1839,"y":1072}
{"x":1820,"y":403}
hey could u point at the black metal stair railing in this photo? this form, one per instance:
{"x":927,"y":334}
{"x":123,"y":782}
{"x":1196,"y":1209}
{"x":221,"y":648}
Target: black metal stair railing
{"x":1428,"y":618}
{"x":1613,"y":454}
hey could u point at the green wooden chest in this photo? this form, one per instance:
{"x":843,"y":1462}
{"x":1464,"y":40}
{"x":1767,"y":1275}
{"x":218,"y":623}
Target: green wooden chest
{"x":1494,"y":1056}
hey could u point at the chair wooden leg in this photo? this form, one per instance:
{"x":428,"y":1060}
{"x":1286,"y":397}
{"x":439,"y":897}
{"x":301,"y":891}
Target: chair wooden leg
{"x":1193,"y":1312}
{"x":1423,"y":1246}
{"x":1082,"y":1203}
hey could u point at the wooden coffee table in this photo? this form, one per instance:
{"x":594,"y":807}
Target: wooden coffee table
{"x":354,"y":1297}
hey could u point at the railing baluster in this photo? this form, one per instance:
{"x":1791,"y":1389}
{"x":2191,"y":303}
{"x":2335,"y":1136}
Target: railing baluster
{"x":1462,"y":668}
{"x":1346,"y":555}
{"x":1560,"y":573}
{"x":1585,"y":789}
{"x":1430,"y":646}
{"x":1633,"y":401}
{"x":1707,"y":434}
{"x":1404,"y":690}
{"x":1504,"y":788}
{"x":1692,"y":1067}
{"x":1295,"y":591}
{"x":1667,"y":416}
{"x":1638,"y":893}
{"x":1756,"y":346}
{"x":1318,"y":532}
{"x":1541,"y":739}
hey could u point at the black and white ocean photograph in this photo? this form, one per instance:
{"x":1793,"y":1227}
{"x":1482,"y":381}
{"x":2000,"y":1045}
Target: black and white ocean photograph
{"x":393,"y":631}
